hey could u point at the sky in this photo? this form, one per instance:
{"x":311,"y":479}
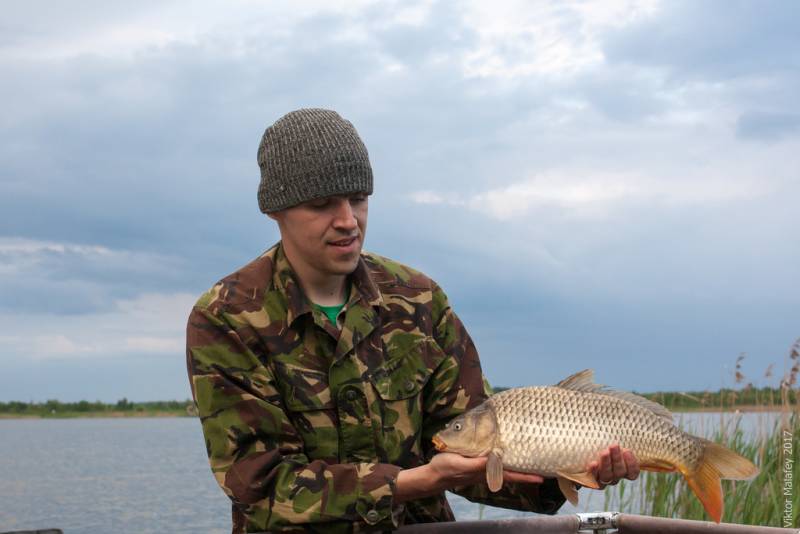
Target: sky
{"x":610,"y":184}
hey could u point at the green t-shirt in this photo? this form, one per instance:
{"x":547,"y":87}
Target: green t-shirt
{"x":332,"y":312}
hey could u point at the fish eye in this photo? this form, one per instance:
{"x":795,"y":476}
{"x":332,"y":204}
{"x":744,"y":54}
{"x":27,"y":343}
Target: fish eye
{"x":457,"y":426}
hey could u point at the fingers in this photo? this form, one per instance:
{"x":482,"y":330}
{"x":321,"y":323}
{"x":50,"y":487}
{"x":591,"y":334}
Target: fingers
{"x":452,"y":470}
{"x":614,"y":464}
{"x":632,"y":463}
{"x":618,"y":468}
{"x":604,"y":472}
{"x":457,"y":470}
{"x":448,"y":464}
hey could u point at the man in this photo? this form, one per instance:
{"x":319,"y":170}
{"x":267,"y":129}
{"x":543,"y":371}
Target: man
{"x":321,"y":372}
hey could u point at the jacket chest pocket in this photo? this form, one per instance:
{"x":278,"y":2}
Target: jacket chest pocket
{"x":305,"y":389}
{"x":400,"y":385}
{"x":310,"y":408}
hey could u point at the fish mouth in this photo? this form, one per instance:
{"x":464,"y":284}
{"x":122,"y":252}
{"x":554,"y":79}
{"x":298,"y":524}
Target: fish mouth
{"x":439,"y":444}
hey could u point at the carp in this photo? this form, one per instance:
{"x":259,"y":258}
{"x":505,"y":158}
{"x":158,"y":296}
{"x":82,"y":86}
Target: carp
{"x":556,"y":431}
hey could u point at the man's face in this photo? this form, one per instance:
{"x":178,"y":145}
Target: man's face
{"x":324,"y":237}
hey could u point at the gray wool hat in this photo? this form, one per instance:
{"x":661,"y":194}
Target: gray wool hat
{"x":308,"y":154}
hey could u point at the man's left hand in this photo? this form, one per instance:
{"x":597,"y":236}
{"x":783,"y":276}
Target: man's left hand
{"x":614,"y":464}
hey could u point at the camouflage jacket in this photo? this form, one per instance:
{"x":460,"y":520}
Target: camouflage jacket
{"x":307,"y":425}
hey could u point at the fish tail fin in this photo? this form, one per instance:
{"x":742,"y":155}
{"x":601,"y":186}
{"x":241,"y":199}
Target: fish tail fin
{"x":717,"y":462}
{"x":729,"y":464}
{"x":705,"y":483}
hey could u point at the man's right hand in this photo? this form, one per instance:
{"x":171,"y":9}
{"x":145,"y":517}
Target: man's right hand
{"x":447,"y":470}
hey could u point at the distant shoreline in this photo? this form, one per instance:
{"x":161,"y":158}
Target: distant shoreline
{"x":748,"y":399}
{"x":55,"y":409}
{"x":743,"y":409}
{"x":97,"y":415}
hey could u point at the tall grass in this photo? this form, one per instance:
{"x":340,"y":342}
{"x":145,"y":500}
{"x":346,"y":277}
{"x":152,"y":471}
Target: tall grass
{"x":761,"y":501}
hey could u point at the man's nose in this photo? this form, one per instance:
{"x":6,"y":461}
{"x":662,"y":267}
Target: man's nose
{"x":344,"y":217}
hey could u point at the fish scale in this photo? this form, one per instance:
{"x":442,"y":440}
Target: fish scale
{"x":557,"y":431}
{"x":548,"y":429}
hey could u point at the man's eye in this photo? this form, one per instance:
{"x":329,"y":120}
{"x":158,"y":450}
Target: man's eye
{"x":358,"y":198}
{"x":320,"y":203}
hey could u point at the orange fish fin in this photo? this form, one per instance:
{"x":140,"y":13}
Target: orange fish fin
{"x":705,"y":483}
{"x":717,"y":462}
{"x":728,"y":464}
{"x":584,"y":478}
{"x":659,"y":466}
{"x":568,"y":489}
{"x":494,"y":471}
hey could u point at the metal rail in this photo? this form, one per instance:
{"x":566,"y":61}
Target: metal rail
{"x":592,"y":523}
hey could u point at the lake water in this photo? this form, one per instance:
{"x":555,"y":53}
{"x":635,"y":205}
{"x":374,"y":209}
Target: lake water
{"x":151,"y":475}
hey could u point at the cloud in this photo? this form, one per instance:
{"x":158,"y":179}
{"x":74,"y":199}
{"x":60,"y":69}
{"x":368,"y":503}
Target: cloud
{"x":116,"y":31}
{"x":713,"y":40}
{"x":714,"y":62}
{"x":766,"y":126}
{"x":556,"y":156}
{"x":591,"y":195}
{"x":584,"y":198}
{"x":518,"y":39}
{"x":58,"y":277}
{"x":149,"y":324}
{"x":431,"y":197}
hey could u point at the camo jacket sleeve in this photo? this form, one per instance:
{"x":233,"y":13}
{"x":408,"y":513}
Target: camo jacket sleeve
{"x":463,"y":373}
{"x":258,"y":456}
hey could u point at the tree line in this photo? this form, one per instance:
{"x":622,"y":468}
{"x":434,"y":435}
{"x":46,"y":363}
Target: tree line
{"x":721,"y":399}
{"x":672,"y":400}
{"x":724,"y":398}
{"x":54,"y":407}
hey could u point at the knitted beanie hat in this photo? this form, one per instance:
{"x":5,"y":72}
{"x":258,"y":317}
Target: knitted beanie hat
{"x":308,"y":154}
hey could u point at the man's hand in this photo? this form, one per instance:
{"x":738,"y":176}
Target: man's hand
{"x":447,"y":470}
{"x":614,"y":464}
{"x":451,"y":470}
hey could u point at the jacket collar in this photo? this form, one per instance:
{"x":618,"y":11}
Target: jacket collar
{"x":284,"y":279}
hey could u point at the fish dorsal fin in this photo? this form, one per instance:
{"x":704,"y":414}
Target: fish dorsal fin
{"x":584,"y":381}
{"x":580,"y":381}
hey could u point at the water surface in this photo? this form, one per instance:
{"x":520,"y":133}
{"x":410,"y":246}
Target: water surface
{"x":97,"y":476}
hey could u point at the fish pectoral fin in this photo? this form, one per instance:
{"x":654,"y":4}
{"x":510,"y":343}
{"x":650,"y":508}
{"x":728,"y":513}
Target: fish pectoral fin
{"x":494,"y":471}
{"x":568,"y":489}
{"x":658,"y":466}
{"x":584,"y":478}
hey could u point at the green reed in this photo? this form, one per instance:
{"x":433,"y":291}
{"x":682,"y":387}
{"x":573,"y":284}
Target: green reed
{"x":772,"y":498}
{"x":761,"y":501}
